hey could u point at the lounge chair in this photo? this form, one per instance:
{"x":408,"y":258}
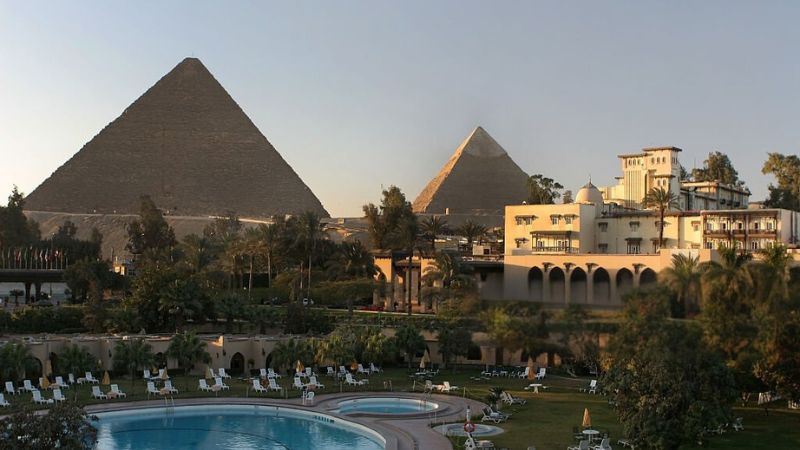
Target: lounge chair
{"x":262,"y":373}
{"x":582,"y":445}
{"x":361,"y":369}
{"x":313,"y":382}
{"x":604,"y":445}
{"x":524,"y":373}
{"x":203,"y":386}
{"x":71,"y":379}
{"x":57,"y":396}
{"x":91,"y":379}
{"x":297,"y":384}
{"x":737,"y":424}
{"x":512,"y":400}
{"x":222,"y":373}
{"x":541,"y":373}
{"x":492,"y":416}
{"x":3,"y":402}
{"x":37,"y":398}
{"x":309,"y":372}
{"x":273,"y":385}
{"x":342,"y":371}
{"x":10,"y":388}
{"x":117,"y":393}
{"x":27,"y":386}
{"x":348,"y":379}
{"x":218,"y":382}
{"x":60,"y":383}
{"x":151,"y":389}
{"x":472,"y":444}
{"x":429,"y":387}
{"x":499,"y":412}
{"x":309,"y":397}
{"x":169,"y":388}
{"x":257,"y":386}
{"x":592,"y":388}
{"x":445,"y":387}
{"x":331,"y":372}
{"x":96,"y":393}
{"x":374,"y":369}
{"x":272,"y":374}
{"x":146,"y":375}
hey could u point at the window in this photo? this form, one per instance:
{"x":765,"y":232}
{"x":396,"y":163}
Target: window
{"x":634,"y":226}
{"x":520,"y":242}
{"x":633,"y":248}
{"x":554,"y":220}
{"x":652,"y":160}
{"x":539,"y":244}
{"x":528,"y":220}
{"x":756,"y":225}
{"x":695,"y":227}
{"x":770,"y":226}
{"x":708,"y":245}
{"x":568,"y":220}
{"x":754,"y":245}
{"x":561,"y":244}
{"x":602,"y":248}
{"x":740,"y":225}
{"x":723,"y":226}
{"x":603,"y":226}
{"x":520,"y":221}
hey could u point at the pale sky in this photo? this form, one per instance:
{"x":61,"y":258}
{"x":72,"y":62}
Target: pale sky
{"x":356,"y":95}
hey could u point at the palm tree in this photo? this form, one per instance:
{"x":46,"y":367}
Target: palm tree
{"x":407,"y":235}
{"x":353,"y":260}
{"x":433,"y":226}
{"x":252,"y":246}
{"x":188,"y":350}
{"x":334,"y":349}
{"x":178,"y":301}
{"x":310,"y":231}
{"x":409,"y":341}
{"x":447,"y":271}
{"x":231,"y":307}
{"x":132,"y":355}
{"x":683,"y":278}
{"x":777,"y":262}
{"x":74,"y":359}
{"x":472,"y":231}
{"x":660,"y":199}
{"x":198,"y":252}
{"x":15,"y":360}
{"x":270,"y":241}
{"x":287,"y":352}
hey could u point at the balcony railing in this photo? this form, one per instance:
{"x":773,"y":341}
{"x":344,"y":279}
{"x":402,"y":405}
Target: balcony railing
{"x":738,"y":232}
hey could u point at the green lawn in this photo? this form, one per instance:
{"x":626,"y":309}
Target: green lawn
{"x":545,"y":422}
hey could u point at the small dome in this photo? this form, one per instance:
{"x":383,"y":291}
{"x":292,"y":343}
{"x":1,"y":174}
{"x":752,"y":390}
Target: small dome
{"x":589,"y":194}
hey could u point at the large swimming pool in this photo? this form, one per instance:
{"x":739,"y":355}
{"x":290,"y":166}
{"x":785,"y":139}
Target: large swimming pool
{"x":231,"y":427}
{"x":386,"y":405}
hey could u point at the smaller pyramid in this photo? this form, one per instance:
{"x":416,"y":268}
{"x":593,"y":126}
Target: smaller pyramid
{"x":480,"y":178}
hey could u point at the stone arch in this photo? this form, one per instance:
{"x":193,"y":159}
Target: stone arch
{"x":601,"y":286}
{"x":268,"y":360}
{"x":237,"y":364}
{"x":54,"y":364}
{"x":624,"y":280}
{"x":557,"y":280}
{"x":577,"y":285}
{"x":33,"y":369}
{"x":647,"y":277}
{"x":535,"y":284}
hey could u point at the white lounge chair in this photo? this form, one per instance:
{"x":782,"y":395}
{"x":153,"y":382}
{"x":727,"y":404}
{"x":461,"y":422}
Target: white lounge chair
{"x":71,"y":379}
{"x":605,"y":444}
{"x":117,"y":393}
{"x":96,"y":393}
{"x":541,"y":373}
{"x":57,"y":396}
{"x":3,"y":402}
{"x":512,"y":400}
{"x":91,"y":379}
{"x":591,"y":388}
{"x":10,"y":388}
{"x":60,"y":383}
{"x":27,"y":386}
{"x":257,"y":386}
{"x":348,"y":379}
{"x":331,"y":372}
{"x":169,"y":388}
{"x":447,"y":388}
{"x":222,"y":373}
{"x":272,"y":374}
{"x":218,"y":382}
{"x":309,"y":372}
{"x":524,"y":373}
{"x":262,"y":373}
{"x":342,"y":371}
{"x":472,"y":444}
{"x":309,"y":397}
{"x":147,"y":375}
{"x":313,"y":382}
{"x":582,"y":445}
{"x":37,"y":398}
{"x":151,"y":389}
{"x":361,"y":369}
{"x":738,"y":425}
{"x":273,"y":385}
{"x":491,"y":416}
{"x":203,"y":386}
{"x":374,"y":369}
{"x":297,"y":384}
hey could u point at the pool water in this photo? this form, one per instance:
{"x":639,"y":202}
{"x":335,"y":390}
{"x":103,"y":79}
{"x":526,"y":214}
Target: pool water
{"x":386,"y":406}
{"x":240,"y":427}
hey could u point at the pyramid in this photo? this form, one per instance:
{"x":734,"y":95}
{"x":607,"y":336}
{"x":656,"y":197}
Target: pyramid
{"x":480,"y":178}
{"x":188,"y":145}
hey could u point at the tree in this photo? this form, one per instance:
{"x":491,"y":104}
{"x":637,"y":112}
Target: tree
{"x":150,"y":234}
{"x":287,"y":352}
{"x":351,"y":260}
{"x":543,"y":190}
{"x":335,"y":350}
{"x":472,"y":232}
{"x":16,"y":230}
{"x":567,"y":198}
{"x":15,"y":361}
{"x":668,"y":387}
{"x":271,"y":236}
{"x":310,"y":232}
{"x":661,"y":200}
{"x":231,"y":307}
{"x":409,"y":341}
{"x":65,"y":426}
{"x":683,"y":278}
{"x":718,"y":167}
{"x":132,"y":355}
{"x":433,"y":226}
{"x":520,"y":327}
{"x":407,"y":235}
{"x":75,"y":359}
{"x":786,"y":170}
{"x":383,"y":221}
{"x":188,"y":350}
{"x":454,"y":341}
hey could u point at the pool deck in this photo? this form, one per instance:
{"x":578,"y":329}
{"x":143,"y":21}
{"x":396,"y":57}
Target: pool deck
{"x":401,"y":432}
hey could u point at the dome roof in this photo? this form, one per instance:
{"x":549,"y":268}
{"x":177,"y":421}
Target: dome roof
{"x":589,"y":194}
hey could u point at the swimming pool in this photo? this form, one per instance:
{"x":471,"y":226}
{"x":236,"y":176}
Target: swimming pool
{"x":386,"y":405}
{"x":231,"y":427}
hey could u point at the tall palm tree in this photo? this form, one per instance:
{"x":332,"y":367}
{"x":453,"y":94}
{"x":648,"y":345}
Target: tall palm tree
{"x":287,"y":352}
{"x":433,"y":226}
{"x":271,"y":235}
{"x":15,"y":360}
{"x":472,"y":232}
{"x":334,"y":349}
{"x":188,"y":350}
{"x":407,"y":235}
{"x":198,"y":252}
{"x":252,"y":246}
{"x":75,"y":359}
{"x":661,"y":200}
{"x":352,"y":260}
{"x":683,"y":278}
{"x":777,"y":263}
{"x":310,"y":232}
{"x":132,"y":355}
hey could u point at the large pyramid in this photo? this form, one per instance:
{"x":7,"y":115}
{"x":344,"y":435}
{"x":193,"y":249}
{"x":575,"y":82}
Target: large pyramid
{"x":480,"y":178}
{"x":188,"y":145}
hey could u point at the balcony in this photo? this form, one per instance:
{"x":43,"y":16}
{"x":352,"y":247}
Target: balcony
{"x":554,"y":250}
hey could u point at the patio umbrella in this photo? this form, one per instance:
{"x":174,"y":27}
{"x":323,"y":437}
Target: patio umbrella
{"x":106,"y":379}
{"x":299,"y":367}
{"x":164,"y":375}
{"x":354,"y":365}
{"x":209,"y":373}
{"x":531,"y":371}
{"x":424,"y":360}
{"x":45,"y":383}
{"x":587,"y":419}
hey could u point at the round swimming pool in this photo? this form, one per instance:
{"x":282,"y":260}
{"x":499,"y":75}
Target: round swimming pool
{"x":231,"y":427}
{"x":386,"y":405}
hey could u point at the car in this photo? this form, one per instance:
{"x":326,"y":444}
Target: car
{"x":308,"y":302}
{"x":372,"y":308}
